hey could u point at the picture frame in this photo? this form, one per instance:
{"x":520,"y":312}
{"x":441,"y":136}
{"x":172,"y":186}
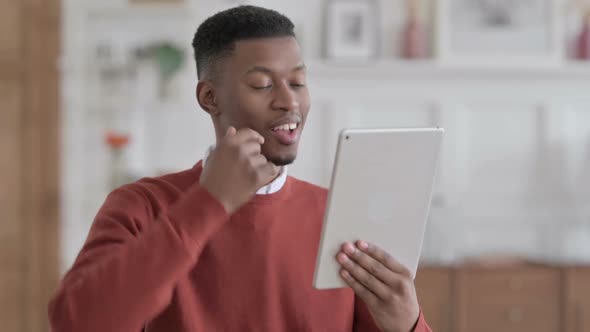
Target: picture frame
{"x":351,"y":30}
{"x":499,"y":32}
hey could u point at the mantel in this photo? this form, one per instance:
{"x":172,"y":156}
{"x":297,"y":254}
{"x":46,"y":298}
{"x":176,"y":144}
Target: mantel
{"x":391,"y":69}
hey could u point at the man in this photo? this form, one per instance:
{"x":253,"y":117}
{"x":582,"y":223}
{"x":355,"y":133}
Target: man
{"x":230,"y":244}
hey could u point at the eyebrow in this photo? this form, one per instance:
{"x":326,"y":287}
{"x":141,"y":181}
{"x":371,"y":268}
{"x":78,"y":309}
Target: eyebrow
{"x":265,"y":70}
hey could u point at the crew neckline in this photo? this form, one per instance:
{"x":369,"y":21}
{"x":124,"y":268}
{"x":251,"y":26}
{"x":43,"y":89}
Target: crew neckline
{"x":278,"y":196}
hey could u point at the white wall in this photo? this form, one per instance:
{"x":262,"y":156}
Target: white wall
{"x":515,"y":171}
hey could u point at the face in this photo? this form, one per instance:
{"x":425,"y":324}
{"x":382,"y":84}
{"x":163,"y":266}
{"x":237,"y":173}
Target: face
{"x":262,"y":86}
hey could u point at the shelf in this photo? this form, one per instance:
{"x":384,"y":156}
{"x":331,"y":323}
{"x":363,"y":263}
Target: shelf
{"x":385,"y":69}
{"x":181,"y":10}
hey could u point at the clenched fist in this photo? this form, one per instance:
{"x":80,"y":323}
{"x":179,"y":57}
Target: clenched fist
{"x":236,"y":169}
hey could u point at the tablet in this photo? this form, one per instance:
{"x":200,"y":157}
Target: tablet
{"x":380,"y":192}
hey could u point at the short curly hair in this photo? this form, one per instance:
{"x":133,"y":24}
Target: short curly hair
{"x":216,"y":36}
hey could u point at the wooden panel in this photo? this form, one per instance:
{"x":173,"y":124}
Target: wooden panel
{"x":11,"y":36}
{"x":12,"y":314}
{"x":513,"y":299}
{"x":11,"y":309}
{"x":29,"y":161}
{"x":11,"y":193}
{"x":433,"y":285}
{"x":577,"y":299}
{"x":41,"y":139}
{"x":11,"y":230}
{"x":10,"y":150}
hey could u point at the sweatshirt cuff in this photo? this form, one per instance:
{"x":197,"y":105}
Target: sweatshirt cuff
{"x":421,"y":325}
{"x":196,"y":217}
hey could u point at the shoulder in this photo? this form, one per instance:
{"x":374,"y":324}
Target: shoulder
{"x":309,"y":191}
{"x":299,"y":184}
{"x":158,"y":192}
{"x":134,"y":204}
{"x":170,"y":183}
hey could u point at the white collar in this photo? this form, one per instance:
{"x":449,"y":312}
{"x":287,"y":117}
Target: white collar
{"x":270,"y":188}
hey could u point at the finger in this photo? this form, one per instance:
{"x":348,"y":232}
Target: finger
{"x":358,"y":288}
{"x":362,"y":276}
{"x":251,"y":148}
{"x":258,"y":161}
{"x":247,"y":134}
{"x":370,"y":264}
{"x":384,"y":258}
{"x":231,"y":131}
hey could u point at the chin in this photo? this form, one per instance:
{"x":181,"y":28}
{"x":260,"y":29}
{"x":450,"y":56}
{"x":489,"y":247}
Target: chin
{"x":282,"y":161}
{"x":281,"y":156}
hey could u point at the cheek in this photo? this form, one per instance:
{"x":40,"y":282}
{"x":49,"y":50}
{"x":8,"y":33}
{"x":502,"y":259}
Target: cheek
{"x":248,"y":97}
{"x":304,"y":104}
{"x":242,"y":108}
{"x":252,"y":106}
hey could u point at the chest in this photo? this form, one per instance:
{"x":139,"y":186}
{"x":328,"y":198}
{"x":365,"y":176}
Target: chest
{"x":256,"y":274}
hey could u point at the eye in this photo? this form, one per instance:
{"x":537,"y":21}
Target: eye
{"x":265,"y":87}
{"x":297,"y":85}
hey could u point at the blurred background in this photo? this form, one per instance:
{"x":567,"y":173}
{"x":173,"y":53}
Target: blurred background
{"x":95,"y":94}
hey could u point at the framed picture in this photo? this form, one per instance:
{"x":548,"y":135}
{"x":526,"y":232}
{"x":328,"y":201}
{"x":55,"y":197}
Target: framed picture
{"x":499,"y":32}
{"x":351,"y":29}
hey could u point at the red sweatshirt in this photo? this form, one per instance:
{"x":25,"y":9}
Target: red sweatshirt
{"x":163,"y":255}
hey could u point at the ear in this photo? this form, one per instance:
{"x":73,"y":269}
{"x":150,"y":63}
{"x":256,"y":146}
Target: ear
{"x":206,"y":97}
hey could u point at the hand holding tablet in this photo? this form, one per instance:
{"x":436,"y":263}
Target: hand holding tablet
{"x":380,"y":193}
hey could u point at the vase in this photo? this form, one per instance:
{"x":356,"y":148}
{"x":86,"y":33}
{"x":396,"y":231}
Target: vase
{"x":413,"y":37}
{"x":583,"y":40}
{"x":413,"y":41}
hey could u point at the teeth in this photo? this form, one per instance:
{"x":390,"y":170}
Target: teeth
{"x":288,"y":126}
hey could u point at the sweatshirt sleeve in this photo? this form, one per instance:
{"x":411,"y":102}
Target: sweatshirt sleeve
{"x":363,"y":321}
{"x":421,"y":325}
{"x":126,"y":271}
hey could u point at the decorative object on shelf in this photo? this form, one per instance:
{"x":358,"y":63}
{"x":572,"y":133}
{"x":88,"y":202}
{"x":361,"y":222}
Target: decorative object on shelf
{"x":583,"y":38}
{"x":414,"y":34}
{"x":114,"y":69}
{"x":578,"y":29}
{"x":351,"y":30}
{"x":117,"y":142}
{"x":499,"y":32}
{"x":168,"y":58}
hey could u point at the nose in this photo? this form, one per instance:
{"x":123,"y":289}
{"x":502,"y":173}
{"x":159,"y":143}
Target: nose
{"x":284,"y":98}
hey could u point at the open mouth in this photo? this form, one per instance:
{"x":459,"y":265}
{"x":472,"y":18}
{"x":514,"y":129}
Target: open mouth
{"x":286,"y":127}
{"x":287,"y":134}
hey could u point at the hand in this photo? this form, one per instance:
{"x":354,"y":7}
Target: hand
{"x":236,"y":169}
{"x":382,"y":283}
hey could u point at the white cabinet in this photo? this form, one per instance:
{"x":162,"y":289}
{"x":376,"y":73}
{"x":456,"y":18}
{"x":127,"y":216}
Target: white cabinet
{"x":514,"y":170}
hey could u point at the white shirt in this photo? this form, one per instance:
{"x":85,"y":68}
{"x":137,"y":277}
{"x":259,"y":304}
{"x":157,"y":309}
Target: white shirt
{"x":270,"y":188}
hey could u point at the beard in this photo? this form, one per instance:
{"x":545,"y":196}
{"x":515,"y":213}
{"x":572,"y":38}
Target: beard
{"x":284,"y":161}
{"x":279,"y":155}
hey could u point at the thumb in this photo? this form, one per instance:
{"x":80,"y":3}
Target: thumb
{"x":230,"y":131}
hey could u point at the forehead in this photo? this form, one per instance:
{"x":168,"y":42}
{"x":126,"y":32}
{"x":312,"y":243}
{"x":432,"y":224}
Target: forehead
{"x":277,"y":54}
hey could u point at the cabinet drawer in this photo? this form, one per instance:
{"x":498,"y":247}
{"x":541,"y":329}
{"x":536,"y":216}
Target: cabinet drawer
{"x":525,"y":283}
{"x":509,"y":299}
{"x":433,"y":285}
{"x":577,"y":299}
{"x":509,"y":317}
